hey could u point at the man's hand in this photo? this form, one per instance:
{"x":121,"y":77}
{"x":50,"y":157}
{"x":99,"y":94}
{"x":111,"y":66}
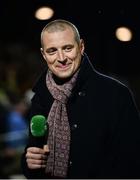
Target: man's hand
{"x":36,"y":157}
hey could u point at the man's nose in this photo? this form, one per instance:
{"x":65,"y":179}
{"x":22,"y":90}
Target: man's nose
{"x":61,"y":56}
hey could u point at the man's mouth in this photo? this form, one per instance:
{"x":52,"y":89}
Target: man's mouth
{"x":63,"y":66}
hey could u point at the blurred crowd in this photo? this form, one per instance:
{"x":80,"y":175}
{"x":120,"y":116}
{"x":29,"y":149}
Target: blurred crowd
{"x":19,"y":67}
{"x":13,"y":133}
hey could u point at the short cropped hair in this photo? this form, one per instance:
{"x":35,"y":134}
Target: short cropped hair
{"x":60,"y":25}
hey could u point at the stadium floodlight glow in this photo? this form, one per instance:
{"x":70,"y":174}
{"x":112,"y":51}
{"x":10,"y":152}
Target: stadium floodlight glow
{"x":44,"y":13}
{"x":123,"y":34}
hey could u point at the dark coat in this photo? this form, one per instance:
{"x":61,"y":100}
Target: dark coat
{"x":105,"y":126}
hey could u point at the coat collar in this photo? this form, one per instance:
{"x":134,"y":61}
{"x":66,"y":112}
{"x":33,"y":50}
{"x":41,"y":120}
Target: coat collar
{"x":86,"y":70}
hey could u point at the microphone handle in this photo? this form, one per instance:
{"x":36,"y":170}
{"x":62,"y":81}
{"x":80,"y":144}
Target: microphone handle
{"x":38,"y":141}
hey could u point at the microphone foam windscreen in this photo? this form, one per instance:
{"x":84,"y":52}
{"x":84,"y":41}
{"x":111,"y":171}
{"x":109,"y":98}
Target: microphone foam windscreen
{"x":38,"y":125}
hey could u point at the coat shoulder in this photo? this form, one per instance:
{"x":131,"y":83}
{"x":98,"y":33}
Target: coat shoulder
{"x":109,"y":82}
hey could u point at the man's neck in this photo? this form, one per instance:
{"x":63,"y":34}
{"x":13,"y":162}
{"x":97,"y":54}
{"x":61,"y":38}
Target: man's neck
{"x":60,"y":81}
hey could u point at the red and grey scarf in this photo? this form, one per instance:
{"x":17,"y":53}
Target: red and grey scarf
{"x":59,"y":129}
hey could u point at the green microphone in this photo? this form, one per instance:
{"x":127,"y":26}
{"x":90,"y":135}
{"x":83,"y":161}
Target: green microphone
{"x":39,"y":130}
{"x":38,"y":125}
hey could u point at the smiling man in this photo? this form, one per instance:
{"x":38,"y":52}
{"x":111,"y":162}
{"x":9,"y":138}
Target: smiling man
{"x":93,"y":121}
{"x":62,"y":50}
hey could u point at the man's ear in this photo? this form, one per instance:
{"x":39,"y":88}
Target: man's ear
{"x":82,"y":46}
{"x":42,"y":52}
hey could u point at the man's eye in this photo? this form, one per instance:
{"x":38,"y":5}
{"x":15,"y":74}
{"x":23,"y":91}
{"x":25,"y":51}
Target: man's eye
{"x":68,"y":48}
{"x":51,"y":51}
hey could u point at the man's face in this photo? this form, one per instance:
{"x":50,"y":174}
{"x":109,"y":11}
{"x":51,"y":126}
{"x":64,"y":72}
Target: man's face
{"x":62,"y":52}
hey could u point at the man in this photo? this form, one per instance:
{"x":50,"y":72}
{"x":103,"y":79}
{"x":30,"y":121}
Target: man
{"x":93,"y":120}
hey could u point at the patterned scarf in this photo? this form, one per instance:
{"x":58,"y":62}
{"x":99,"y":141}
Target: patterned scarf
{"x":59,"y":129}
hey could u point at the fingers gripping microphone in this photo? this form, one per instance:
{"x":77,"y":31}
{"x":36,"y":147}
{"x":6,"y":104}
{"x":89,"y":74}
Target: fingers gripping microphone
{"x":39,"y":130}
